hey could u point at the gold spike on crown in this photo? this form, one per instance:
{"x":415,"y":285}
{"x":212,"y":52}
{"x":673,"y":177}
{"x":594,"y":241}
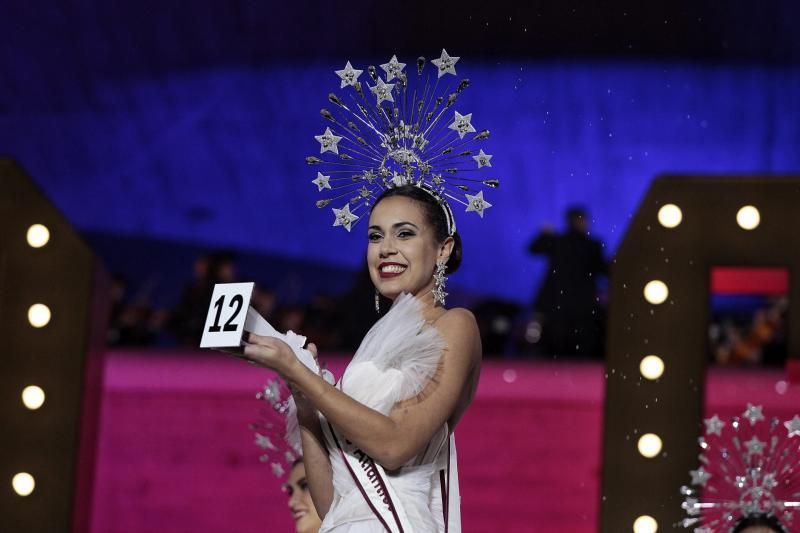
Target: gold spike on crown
{"x":400,"y":133}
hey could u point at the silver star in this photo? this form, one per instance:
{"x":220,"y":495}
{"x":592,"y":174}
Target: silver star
{"x":277,"y":469}
{"x":714,"y":425}
{"x":264,"y":442}
{"x":393,"y":68}
{"x":793,"y":426}
{"x":289,"y":456}
{"x":322,"y":181}
{"x":699,"y":476}
{"x":328,"y":142}
{"x":462,"y":124}
{"x":769,"y":481}
{"x":483,"y":159}
{"x":753,"y":413}
{"x":272,"y":392}
{"x":344,"y":217}
{"x":477,"y":203}
{"x":439,"y":295}
{"x":446,"y":64}
{"x":383,"y":91}
{"x":349,"y":75}
{"x":754,"y":446}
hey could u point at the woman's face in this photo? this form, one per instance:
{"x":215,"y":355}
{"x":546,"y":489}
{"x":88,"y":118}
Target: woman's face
{"x":402,"y":250}
{"x":306,"y":519}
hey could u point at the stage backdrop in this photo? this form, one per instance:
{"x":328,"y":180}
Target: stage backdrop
{"x":216,"y":157}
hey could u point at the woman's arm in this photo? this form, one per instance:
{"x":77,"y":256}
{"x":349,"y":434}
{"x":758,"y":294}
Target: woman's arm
{"x":317,"y":462}
{"x":315,"y":455}
{"x":391,"y":440}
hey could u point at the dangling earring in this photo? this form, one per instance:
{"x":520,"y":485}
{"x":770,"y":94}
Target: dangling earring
{"x":439,"y":280}
{"x":377,"y":301}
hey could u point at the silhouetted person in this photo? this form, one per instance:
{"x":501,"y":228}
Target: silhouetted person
{"x":190,"y":314}
{"x":567,"y":304}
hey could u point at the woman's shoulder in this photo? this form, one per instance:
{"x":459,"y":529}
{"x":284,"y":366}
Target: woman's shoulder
{"x":457,"y":319}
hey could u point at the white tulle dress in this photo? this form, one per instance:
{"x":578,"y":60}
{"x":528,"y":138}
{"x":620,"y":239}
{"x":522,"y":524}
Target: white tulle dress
{"x":395,"y":361}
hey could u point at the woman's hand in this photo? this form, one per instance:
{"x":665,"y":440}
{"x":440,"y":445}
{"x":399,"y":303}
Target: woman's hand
{"x":269,"y":352}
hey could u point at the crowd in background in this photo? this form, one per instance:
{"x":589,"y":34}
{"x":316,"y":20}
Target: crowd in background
{"x":566,"y":318}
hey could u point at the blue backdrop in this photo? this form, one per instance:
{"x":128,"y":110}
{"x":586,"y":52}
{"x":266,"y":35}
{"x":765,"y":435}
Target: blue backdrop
{"x":217,"y":156}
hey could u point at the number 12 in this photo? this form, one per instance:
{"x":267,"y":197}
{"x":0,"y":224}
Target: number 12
{"x":238,"y":301}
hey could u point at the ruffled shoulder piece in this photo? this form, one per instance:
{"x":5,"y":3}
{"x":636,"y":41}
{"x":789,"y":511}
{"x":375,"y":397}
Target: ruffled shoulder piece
{"x":396,"y":359}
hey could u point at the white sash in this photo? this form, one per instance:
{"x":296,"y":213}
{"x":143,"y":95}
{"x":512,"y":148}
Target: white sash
{"x":451,"y":496}
{"x":372,"y":482}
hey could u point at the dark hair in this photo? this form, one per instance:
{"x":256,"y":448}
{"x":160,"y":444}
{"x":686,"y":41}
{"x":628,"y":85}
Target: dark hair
{"x":575,"y":212}
{"x":435,"y":216}
{"x":759,"y":519}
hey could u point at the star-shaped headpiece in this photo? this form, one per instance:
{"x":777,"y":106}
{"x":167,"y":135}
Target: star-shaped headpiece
{"x":404,"y":131}
{"x":446,"y":64}
{"x":349,"y":75}
{"x":328,"y":142}
{"x":270,"y":428}
{"x":753,"y":413}
{"x":393,"y":68}
{"x":745,"y":469}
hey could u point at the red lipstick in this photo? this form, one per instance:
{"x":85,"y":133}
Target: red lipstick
{"x":394,"y":270}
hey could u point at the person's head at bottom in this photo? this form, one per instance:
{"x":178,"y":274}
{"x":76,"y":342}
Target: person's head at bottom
{"x":759,"y":523}
{"x":408,"y":234}
{"x":306,"y":519}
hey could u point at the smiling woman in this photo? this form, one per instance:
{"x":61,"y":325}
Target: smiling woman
{"x":408,"y":233}
{"x":305,"y":516}
{"x":377,"y":446}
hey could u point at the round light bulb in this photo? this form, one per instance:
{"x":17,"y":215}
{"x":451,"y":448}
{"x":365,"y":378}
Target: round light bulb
{"x":656,"y":292}
{"x":38,"y":235}
{"x":645,"y":524}
{"x":39,"y":315}
{"x":32,"y":397}
{"x":649,"y":445}
{"x":670,"y":215}
{"x":23,"y":483}
{"x":748,"y":217}
{"x":651,"y":367}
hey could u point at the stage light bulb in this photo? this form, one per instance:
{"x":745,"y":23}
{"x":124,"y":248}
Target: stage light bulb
{"x":670,"y":215}
{"x":645,"y":524}
{"x":651,"y":367}
{"x":39,"y":315}
{"x":649,"y":445}
{"x":38,"y":235}
{"x":32,"y":397}
{"x":23,"y":483}
{"x":748,"y":217}
{"x":656,"y":292}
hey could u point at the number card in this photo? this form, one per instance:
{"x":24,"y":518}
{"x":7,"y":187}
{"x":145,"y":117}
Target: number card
{"x":226,"y":315}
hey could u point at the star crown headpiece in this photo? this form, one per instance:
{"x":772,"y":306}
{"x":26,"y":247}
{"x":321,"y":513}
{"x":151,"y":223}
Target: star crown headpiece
{"x":401,"y":130}
{"x":748,"y":466}
{"x":271,"y":428}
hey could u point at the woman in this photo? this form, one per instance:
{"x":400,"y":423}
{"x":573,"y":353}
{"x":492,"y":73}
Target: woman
{"x":305,"y":515}
{"x":377,"y":446}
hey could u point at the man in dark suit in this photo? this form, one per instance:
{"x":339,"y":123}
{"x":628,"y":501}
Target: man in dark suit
{"x":567,"y":306}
